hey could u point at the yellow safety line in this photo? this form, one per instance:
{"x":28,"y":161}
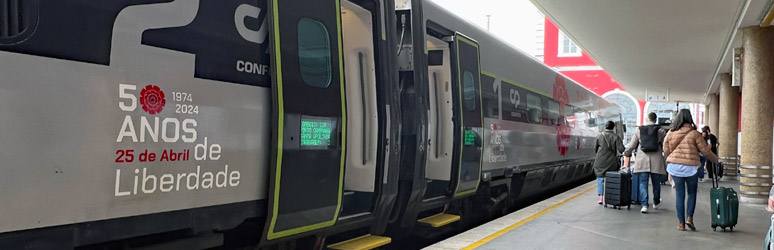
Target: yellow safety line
{"x":768,"y":18}
{"x":522,"y":222}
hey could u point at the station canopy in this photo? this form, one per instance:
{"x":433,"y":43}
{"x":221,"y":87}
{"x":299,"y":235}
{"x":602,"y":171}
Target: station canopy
{"x":659,"y":45}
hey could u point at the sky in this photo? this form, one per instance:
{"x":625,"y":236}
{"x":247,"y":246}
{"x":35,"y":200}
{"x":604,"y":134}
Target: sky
{"x":515,"y":21}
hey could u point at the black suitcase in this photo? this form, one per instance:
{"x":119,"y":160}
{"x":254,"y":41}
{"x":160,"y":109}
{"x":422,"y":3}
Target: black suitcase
{"x":618,"y":189}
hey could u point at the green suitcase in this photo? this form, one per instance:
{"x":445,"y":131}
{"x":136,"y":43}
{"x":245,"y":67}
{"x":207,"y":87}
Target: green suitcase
{"x":725,"y":205}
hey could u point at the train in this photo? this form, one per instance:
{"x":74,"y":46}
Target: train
{"x":183,"y":124}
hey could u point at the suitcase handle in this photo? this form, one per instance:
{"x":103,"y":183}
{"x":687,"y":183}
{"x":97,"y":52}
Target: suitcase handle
{"x":716,"y":166}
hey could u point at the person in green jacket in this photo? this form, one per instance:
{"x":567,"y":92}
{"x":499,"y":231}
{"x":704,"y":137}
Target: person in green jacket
{"x":608,"y":147}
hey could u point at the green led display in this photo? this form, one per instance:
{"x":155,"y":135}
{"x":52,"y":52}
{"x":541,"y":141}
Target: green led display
{"x":470,"y":138}
{"x":317,"y":133}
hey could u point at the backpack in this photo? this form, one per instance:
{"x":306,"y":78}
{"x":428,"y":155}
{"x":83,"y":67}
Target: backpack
{"x":649,"y":138}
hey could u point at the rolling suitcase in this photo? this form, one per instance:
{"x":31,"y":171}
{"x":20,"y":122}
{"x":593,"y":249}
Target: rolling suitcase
{"x":725,"y":204}
{"x":635,"y":181}
{"x":618,"y":189}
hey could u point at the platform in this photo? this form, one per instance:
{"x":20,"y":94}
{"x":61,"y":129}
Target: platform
{"x":573,"y":220}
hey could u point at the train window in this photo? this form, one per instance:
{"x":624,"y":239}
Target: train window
{"x":469,"y":91}
{"x":435,"y":57}
{"x":553,"y":112}
{"x":546,"y":116}
{"x":592,"y":122}
{"x":535,"y":111}
{"x":314,"y":53}
{"x":569,"y":116}
{"x":489,"y":97}
{"x":582,"y":118}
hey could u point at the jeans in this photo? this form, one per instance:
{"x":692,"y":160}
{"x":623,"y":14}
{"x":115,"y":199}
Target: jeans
{"x":600,"y":185}
{"x":680,"y":185}
{"x":643,"y":187}
{"x":701,"y":167}
{"x":636,"y":193}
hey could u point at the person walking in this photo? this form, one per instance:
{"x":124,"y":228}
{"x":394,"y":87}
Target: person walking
{"x":712,"y":140}
{"x":648,"y":142}
{"x":702,"y":161}
{"x":682,"y":145}
{"x":608,"y":146}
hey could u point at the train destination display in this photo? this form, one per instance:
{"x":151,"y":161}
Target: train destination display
{"x":317,"y":132}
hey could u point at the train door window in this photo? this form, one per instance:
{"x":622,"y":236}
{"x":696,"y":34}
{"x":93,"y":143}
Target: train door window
{"x":440,"y":127}
{"x":535,"y":109}
{"x":553,"y":112}
{"x":314,"y":53}
{"x":362,"y":110}
{"x":469,"y":91}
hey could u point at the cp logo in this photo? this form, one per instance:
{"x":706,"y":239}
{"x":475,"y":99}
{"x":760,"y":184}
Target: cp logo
{"x":515,"y":98}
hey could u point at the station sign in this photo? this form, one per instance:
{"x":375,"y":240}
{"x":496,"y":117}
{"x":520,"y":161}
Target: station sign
{"x":656,"y":96}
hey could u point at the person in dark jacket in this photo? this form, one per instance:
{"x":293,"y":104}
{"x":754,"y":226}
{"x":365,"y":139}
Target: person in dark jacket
{"x":608,"y":147}
{"x":712,"y":140}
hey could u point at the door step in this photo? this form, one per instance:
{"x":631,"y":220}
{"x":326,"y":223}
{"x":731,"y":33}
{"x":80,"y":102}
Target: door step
{"x":440,"y":220}
{"x":364,"y":242}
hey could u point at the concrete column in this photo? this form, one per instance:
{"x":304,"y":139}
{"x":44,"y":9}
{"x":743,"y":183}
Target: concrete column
{"x":714,"y":112}
{"x":728,"y":126}
{"x":758,"y":110}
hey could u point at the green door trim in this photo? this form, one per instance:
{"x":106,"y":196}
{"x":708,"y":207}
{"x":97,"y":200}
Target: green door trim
{"x":462,"y":38}
{"x":271,"y":234}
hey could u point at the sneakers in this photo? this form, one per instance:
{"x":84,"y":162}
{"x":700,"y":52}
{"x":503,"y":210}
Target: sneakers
{"x":601,"y":199}
{"x":656,"y":206}
{"x":644,"y":210}
{"x":701,"y":180}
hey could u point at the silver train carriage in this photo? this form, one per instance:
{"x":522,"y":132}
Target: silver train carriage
{"x":198,"y":122}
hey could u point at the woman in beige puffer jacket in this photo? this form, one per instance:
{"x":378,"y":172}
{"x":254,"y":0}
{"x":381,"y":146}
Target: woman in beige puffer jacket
{"x":682,"y":145}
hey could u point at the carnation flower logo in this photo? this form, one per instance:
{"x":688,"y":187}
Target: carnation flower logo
{"x":562,"y":131}
{"x":152,"y":99}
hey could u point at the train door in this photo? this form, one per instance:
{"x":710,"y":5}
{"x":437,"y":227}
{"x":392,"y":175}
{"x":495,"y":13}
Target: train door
{"x":440,"y":129}
{"x":309,"y":117}
{"x":467,"y":96}
{"x":360,"y":71}
{"x":331,"y":148}
{"x":453,"y":164}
